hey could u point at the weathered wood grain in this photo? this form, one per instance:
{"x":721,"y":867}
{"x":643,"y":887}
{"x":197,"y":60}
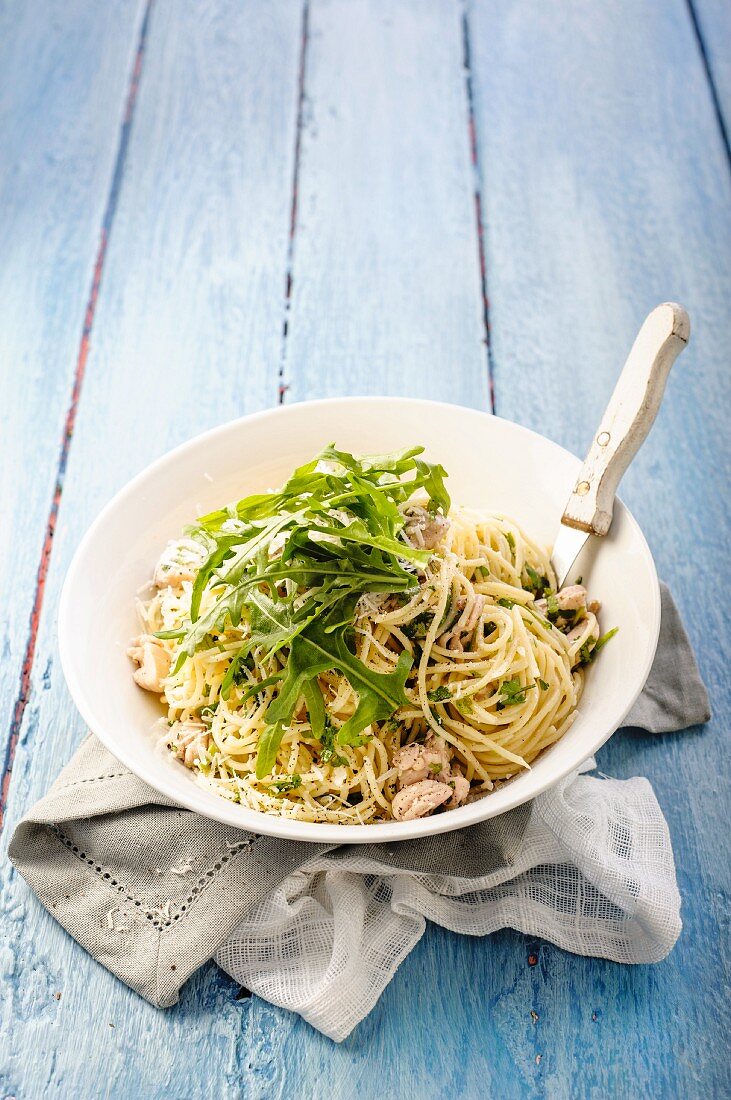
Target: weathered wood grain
{"x":386,"y":284}
{"x":187,"y":333}
{"x":63,"y":80}
{"x":608,"y":192}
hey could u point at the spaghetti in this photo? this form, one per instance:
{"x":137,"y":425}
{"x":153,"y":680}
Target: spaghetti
{"x":482,"y":657}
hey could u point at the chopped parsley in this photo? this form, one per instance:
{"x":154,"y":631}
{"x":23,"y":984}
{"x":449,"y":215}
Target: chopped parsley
{"x":418,"y":627}
{"x":465,"y":706}
{"x":543,"y":685}
{"x":505,"y":602}
{"x":436,"y":767}
{"x":328,"y":754}
{"x":390,"y":725}
{"x":552,"y":608}
{"x":601,"y":642}
{"x":512,"y":693}
{"x":285,"y":784}
{"x":536,"y":583}
{"x":438,"y":695}
{"x":588,"y":652}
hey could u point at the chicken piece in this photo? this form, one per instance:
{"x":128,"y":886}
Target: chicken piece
{"x":191,"y":740}
{"x":438,"y":747}
{"x":180,"y":561}
{"x":424,"y":529}
{"x":420,"y":799}
{"x":460,"y":789}
{"x":571,"y":598}
{"x":417,"y":762}
{"x":571,"y":601}
{"x":153,"y":660}
{"x":453,"y":637}
{"x":588,"y":626}
{"x":586,"y":631}
{"x":478,"y":606}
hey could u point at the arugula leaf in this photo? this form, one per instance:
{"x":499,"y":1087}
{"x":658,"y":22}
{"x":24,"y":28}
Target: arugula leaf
{"x":312,"y":652}
{"x":439,"y":694}
{"x":273,"y":623}
{"x":431,"y":477}
{"x":315,"y":707}
{"x":235,"y":672}
{"x":358,"y":532}
{"x":259,"y":686}
{"x":338,"y":523}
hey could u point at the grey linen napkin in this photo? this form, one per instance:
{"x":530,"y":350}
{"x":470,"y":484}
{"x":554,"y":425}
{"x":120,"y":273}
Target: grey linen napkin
{"x":110,"y":858}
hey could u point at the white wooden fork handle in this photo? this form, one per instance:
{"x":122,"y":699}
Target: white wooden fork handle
{"x":628,"y":418}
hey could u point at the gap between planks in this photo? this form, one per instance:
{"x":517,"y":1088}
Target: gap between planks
{"x":24,"y":687}
{"x":289,"y":274}
{"x":479,"y":223}
{"x":710,"y":79}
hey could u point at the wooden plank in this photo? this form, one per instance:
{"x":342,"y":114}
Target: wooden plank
{"x":62,"y":96}
{"x":713,"y":20}
{"x":386,"y":283}
{"x":187,"y":333}
{"x":607,"y":191}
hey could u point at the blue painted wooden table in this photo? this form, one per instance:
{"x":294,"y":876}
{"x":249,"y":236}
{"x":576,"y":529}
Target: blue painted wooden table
{"x":211,"y":207}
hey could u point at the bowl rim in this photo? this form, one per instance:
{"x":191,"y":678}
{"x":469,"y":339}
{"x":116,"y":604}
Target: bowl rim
{"x":254,"y":821}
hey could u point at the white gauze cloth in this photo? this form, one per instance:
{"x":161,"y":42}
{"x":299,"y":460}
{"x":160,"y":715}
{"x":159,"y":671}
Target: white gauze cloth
{"x":593,"y":873}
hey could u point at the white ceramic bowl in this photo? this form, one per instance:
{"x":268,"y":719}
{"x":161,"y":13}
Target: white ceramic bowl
{"x":492,"y":464}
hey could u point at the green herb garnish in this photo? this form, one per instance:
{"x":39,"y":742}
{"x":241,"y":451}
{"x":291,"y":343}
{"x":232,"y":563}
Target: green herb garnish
{"x":418,"y":627}
{"x":339,"y":520}
{"x":465,"y":706}
{"x":505,"y":602}
{"x":512,"y":693}
{"x":536,"y":583}
{"x":438,"y":695}
{"x":285,"y":784}
{"x":588,"y":652}
{"x":543,"y":685}
{"x":328,"y":755}
{"x":602,"y":641}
